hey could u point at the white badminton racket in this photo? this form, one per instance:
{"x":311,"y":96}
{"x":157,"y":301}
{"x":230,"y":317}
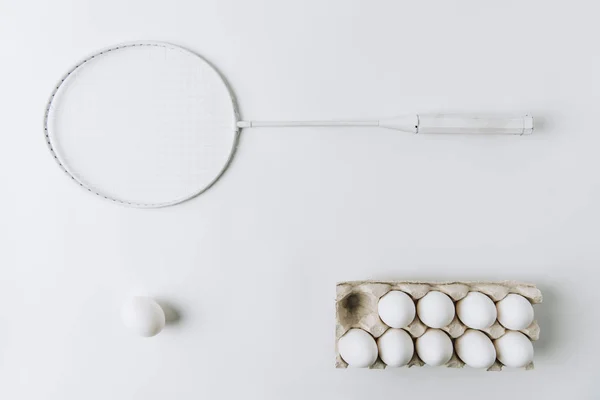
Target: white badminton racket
{"x":150,"y":124}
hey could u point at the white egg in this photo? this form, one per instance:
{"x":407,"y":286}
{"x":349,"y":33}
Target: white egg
{"x":358,"y":348}
{"x":396,"y":309}
{"x":434,"y":347}
{"x":476,"y":311}
{"x":475,"y":349}
{"x":395,"y":347}
{"x":143,"y":315}
{"x":515,"y":312}
{"x":514,"y":349}
{"x":435,"y":309}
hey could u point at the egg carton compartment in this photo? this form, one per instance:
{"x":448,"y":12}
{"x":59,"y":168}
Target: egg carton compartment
{"x":357,"y":307}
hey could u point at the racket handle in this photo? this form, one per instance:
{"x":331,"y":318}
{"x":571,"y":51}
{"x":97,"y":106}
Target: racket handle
{"x":459,"y":123}
{"x":448,"y":123}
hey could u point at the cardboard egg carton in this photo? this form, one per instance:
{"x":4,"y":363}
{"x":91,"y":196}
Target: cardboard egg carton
{"x":356,"y":307}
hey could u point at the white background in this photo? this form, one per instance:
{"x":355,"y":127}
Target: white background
{"x":251,"y":265}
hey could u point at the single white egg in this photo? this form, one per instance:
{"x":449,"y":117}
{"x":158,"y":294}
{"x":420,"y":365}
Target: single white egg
{"x":515,"y":312}
{"x":143,"y":315}
{"x":434,"y":347}
{"x":396,"y":309}
{"x":358,"y":348}
{"x":435,"y":309}
{"x":476,"y":311}
{"x":475,"y":349}
{"x":514,"y":349}
{"x":396,"y":347}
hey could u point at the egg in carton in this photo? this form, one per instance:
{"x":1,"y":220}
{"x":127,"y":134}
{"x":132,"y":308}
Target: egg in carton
{"x":357,"y":307}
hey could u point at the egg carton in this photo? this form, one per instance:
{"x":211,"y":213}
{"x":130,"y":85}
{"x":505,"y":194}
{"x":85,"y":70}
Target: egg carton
{"x":356,"y":307}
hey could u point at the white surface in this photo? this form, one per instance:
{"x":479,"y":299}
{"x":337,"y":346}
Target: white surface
{"x":435,"y":309}
{"x":475,"y":349}
{"x":396,"y":347}
{"x":302,"y":209}
{"x":476,"y":311}
{"x":514,"y":349}
{"x":358,"y":348}
{"x":396,"y":309}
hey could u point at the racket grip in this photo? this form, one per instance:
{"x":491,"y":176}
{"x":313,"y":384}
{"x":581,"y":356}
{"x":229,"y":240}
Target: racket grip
{"x":457,"y":123}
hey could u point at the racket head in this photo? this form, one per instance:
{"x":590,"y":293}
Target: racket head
{"x":143,"y":124}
